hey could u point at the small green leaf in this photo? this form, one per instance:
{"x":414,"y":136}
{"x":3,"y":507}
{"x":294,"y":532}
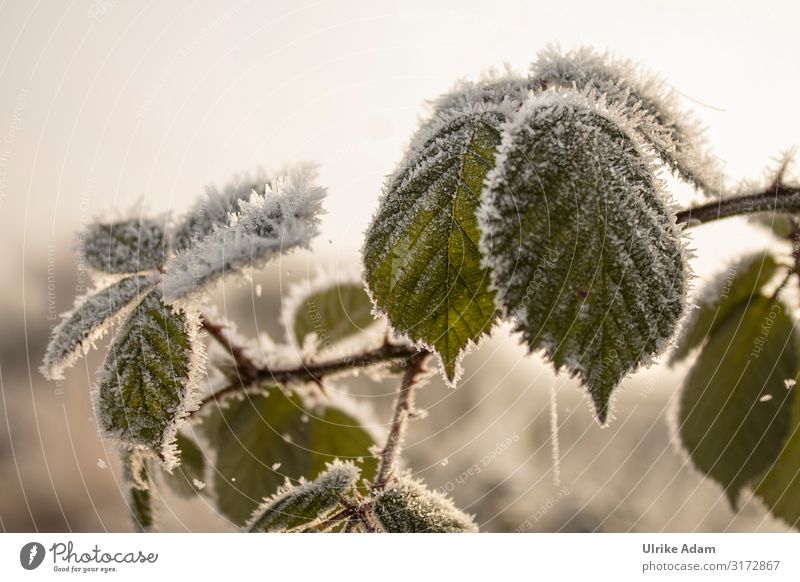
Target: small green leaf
{"x":407,"y":506}
{"x":186,"y":480}
{"x":298,"y":505}
{"x":734,"y":408}
{"x":333,"y":312}
{"x":143,"y":384}
{"x":87,"y":323}
{"x":780,"y":486}
{"x":421,"y":256}
{"x":265,"y":439}
{"x":136,"y":472}
{"x":584,"y":253}
{"x":127,"y":246}
{"x":743,"y":279}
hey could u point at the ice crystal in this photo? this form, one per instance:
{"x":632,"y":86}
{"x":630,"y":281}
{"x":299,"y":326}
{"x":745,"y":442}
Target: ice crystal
{"x":285,"y":217}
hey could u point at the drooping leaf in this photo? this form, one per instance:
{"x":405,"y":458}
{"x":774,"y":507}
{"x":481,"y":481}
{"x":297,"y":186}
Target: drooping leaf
{"x":334,"y":311}
{"x":584,"y":254}
{"x":136,"y":472}
{"x":407,"y":506}
{"x":780,"y":486}
{"x":187,"y":479}
{"x":265,"y":226}
{"x":734,"y":409}
{"x":674,"y":134}
{"x":741,"y":280}
{"x":143,"y":386}
{"x":421,"y":255}
{"x":265,"y":439}
{"x":90,"y":319}
{"x":127,"y":246}
{"x":297,"y":505}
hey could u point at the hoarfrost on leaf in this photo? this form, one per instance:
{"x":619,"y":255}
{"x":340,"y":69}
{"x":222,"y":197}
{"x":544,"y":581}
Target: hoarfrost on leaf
{"x":421,"y":257}
{"x":407,"y":506}
{"x":285,"y":217}
{"x":674,"y":135}
{"x":127,"y":246}
{"x":82,"y":327}
{"x":584,"y":254}
{"x":294,"y":506}
{"x":145,"y":387}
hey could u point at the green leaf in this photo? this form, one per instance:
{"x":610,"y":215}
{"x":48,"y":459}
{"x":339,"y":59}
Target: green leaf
{"x":127,"y":246}
{"x":298,"y":505}
{"x":780,"y":486}
{"x":421,"y":255}
{"x":734,"y":408}
{"x":335,"y":311}
{"x":585,"y":255}
{"x":407,"y":506}
{"x":136,"y":472}
{"x":258,"y":433}
{"x":187,"y":479}
{"x":143,"y":384}
{"x":743,"y":279}
{"x":648,"y":102}
{"x":87,"y":323}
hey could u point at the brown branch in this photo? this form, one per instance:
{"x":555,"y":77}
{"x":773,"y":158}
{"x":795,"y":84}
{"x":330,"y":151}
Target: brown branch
{"x":403,"y":408}
{"x":777,"y":198}
{"x":245,"y":367}
{"x":316,"y":371}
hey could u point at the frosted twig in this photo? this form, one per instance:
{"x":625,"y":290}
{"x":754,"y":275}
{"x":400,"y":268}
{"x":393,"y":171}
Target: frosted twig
{"x":315,"y":371}
{"x":402,"y":410}
{"x":244,"y":364}
{"x":777,"y":198}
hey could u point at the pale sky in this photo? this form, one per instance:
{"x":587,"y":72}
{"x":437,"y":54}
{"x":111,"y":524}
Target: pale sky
{"x":103,"y":103}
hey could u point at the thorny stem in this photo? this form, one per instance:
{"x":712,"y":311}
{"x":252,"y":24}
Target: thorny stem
{"x":252,"y":374}
{"x":244,"y":365}
{"x":403,"y":408}
{"x":777,"y":198}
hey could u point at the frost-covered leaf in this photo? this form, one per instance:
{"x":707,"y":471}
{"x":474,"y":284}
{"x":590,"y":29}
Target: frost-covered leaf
{"x":137,"y":472}
{"x":421,"y":255}
{"x":145,"y":385}
{"x":492,"y":89}
{"x":256,"y":433}
{"x":187,"y":479}
{"x":407,"y":506}
{"x":127,"y":246}
{"x":743,"y":279}
{"x":674,"y":134}
{"x":297,"y":505}
{"x":213,"y":209}
{"x":284,"y":218}
{"x":585,"y":255}
{"x":333,"y":310}
{"x":87,"y":323}
{"x":780,"y":486}
{"x":734,"y":409}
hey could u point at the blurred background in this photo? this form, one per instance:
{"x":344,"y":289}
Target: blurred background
{"x":107,"y":105}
